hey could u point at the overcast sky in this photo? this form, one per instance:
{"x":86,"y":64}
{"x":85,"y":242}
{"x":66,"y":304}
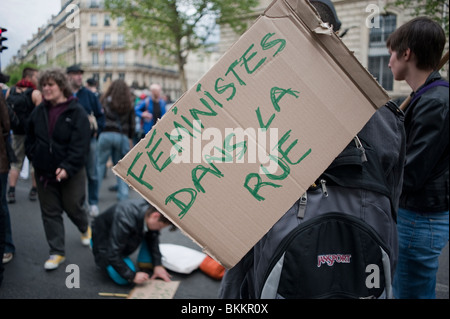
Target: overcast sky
{"x":22,"y":18}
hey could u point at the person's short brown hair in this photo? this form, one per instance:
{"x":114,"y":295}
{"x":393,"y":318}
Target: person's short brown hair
{"x":60,"y":79}
{"x":163,"y":219}
{"x":28,"y":72}
{"x":424,"y":37}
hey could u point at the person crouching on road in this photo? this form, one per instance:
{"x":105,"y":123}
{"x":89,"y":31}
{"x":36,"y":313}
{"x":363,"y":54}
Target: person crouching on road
{"x":57,"y":143}
{"x":118,"y":232}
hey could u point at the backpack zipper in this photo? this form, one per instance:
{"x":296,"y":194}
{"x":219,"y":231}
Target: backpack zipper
{"x":302,"y":205}
{"x":304,"y":199}
{"x":361,"y":148}
{"x":323,"y":184}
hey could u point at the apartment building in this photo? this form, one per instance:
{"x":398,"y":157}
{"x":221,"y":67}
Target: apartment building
{"x":366,"y":25}
{"x":84,"y":33}
{"x":96,"y":42}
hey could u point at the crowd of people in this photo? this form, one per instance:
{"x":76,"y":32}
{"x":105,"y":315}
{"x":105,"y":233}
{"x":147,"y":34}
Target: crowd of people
{"x":71,"y":132}
{"x":68,"y":132}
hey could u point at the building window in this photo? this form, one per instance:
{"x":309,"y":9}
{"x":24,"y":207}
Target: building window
{"x":107,"y":40}
{"x":378,"y":53}
{"x":107,"y":20}
{"x":120,"y":21}
{"x":94,"y":39}
{"x":108,"y":58}
{"x":121,"y":59}
{"x":93,"y":20}
{"x":107,"y":77}
{"x":94,"y":4}
{"x":94,"y":58}
{"x":120,"y":40}
{"x":122,"y":76}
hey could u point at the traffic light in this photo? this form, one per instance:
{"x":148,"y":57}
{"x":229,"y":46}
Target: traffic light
{"x":2,"y":38}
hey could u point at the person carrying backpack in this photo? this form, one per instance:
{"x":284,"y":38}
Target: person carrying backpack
{"x":423,"y":225}
{"x":339,"y":240}
{"x":23,"y":98}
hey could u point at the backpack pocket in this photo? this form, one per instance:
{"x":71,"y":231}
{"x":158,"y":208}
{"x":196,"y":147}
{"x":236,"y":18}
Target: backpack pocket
{"x":333,"y":255}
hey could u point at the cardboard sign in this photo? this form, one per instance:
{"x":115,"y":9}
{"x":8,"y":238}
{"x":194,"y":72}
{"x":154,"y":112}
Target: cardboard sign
{"x":238,"y":149}
{"x":154,"y":289}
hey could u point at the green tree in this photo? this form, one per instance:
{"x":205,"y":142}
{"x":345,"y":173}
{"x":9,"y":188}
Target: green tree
{"x":15,"y":71}
{"x":171,"y":29}
{"x":434,"y":9}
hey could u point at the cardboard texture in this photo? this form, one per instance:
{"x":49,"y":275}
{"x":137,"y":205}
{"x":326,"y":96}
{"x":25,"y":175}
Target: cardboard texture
{"x":289,"y":77}
{"x":154,"y":289}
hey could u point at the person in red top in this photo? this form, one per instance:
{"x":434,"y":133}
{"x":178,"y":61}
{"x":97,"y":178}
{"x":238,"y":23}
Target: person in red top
{"x":32,"y":97}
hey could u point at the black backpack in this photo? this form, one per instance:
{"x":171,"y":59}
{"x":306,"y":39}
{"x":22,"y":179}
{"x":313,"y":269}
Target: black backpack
{"x":22,"y":106}
{"x":339,"y":240}
{"x":338,"y":252}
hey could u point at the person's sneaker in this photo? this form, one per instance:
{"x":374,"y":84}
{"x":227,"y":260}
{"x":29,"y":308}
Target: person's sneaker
{"x":54,"y":261}
{"x":33,"y":194}
{"x":93,"y":210}
{"x":11,"y":196}
{"x":86,"y":237}
{"x":7,"y":257}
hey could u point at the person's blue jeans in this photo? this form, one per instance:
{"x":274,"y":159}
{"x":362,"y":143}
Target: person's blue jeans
{"x":91,"y":173}
{"x":114,"y":275}
{"x":143,"y":258}
{"x":422,"y":236}
{"x":9,"y":244}
{"x":116,"y":146}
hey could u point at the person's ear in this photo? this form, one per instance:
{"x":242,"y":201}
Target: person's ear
{"x":407,"y":55}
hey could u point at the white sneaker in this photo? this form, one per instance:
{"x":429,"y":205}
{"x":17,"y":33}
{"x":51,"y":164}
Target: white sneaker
{"x":54,"y":261}
{"x":93,"y":210}
{"x":86,"y":237}
{"x":7,"y":257}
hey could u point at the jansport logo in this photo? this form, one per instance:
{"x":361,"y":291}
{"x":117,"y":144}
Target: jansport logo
{"x":330,"y":259}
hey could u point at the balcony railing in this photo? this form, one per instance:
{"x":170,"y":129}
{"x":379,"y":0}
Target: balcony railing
{"x":109,"y":45}
{"x":135,"y":66}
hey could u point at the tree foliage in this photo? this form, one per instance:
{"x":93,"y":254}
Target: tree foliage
{"x":437,"y":10}
{"x":15,"y":71}
{"x":171,"y":29}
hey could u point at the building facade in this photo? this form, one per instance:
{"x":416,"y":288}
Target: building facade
{"x":84,"y":33}
{"x":367,"y":24}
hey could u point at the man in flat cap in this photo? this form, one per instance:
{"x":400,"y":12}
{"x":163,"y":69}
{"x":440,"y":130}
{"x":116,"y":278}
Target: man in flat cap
{"x":92,"y":105}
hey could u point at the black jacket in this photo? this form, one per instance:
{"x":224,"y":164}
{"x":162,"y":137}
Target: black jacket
{"x":68,"y":146}
{"x":426,"y":178}
{"x":118,"y":232}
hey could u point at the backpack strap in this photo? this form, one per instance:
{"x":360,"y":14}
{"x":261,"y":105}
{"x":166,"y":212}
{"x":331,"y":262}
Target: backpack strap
{"x":428,"y":87}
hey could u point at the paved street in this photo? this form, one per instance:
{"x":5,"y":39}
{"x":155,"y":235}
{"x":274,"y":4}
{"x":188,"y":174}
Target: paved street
{"x":25,"y":277}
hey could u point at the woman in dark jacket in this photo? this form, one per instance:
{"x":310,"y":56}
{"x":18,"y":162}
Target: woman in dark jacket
{"x":57,"y":144}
